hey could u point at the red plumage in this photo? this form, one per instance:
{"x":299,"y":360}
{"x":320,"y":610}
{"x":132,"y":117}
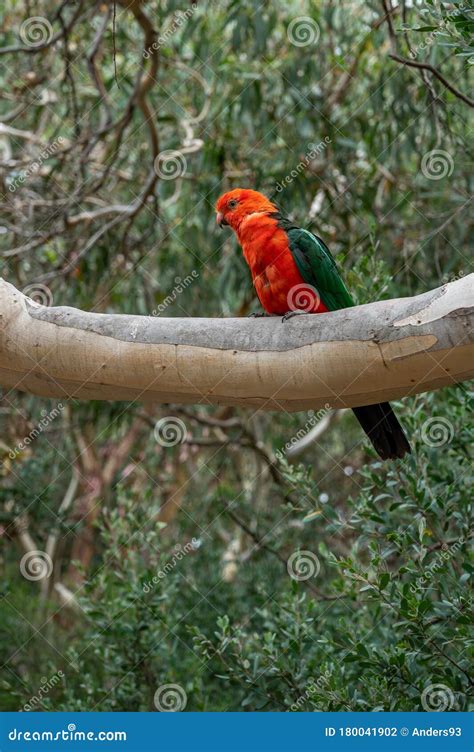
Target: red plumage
{"x":277,"y":281}
{"x":265,"y":237}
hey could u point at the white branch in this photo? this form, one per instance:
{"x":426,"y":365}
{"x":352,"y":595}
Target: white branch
{"x":357,"y":356}
{"x":313,"y":435}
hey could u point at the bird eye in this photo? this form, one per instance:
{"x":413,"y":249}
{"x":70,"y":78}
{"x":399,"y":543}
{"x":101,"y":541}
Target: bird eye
{"x":232,"y":203}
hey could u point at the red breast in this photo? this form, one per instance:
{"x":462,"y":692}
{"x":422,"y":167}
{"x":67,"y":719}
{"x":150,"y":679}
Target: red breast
{"x":277,"y":281}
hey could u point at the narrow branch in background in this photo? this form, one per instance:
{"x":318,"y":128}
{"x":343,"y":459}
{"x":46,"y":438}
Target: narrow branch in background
{"x":246,"y":440}
{"x":387,"y":6}
{"x":95,"y":73}
{"x":314,"y":434}
{"x":260,"y":543}
{"x":114,"y":42}
{"x":437,"y":74}
{"x":67,"y":598}
{"x":423,"y":73}
{"x":24,"y":536}
{"x":52,"y":540}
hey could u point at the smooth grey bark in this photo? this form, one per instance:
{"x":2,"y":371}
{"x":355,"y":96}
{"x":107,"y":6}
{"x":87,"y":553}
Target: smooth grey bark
{"x":351,"y":357}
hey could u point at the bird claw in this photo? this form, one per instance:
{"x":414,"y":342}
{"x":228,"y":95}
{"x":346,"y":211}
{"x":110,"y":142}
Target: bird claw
{"x":289,"y":315}
{"x":256,"y":315}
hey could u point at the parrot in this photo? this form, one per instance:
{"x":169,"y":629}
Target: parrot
{"x":294,"y":272}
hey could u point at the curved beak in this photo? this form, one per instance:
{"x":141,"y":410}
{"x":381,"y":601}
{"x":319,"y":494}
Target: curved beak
{"x":220,"y":220}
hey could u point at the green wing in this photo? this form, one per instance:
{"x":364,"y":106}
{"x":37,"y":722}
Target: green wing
{"x":318,"y":268}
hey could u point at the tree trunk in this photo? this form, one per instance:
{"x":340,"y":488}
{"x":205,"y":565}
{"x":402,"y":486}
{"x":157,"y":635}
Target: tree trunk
{"x":357,"y":356}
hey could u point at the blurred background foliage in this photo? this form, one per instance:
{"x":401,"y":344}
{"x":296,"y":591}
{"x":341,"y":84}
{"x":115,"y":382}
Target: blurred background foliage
{"x":120,"y":126}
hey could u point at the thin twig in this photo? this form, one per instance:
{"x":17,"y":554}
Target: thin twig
{"x":437,"y":74}
{"x":259,"y":540}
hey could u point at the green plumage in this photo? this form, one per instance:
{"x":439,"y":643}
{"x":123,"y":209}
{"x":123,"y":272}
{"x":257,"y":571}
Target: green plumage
{"x":318,"y":268}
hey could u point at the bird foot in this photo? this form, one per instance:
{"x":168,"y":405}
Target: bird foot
{"x":256,"y":315}
{"x":289,"y":315}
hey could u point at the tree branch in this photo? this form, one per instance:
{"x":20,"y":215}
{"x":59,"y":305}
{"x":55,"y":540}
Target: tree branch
{"x":357,"y":356}
{"x":436,"y":73}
